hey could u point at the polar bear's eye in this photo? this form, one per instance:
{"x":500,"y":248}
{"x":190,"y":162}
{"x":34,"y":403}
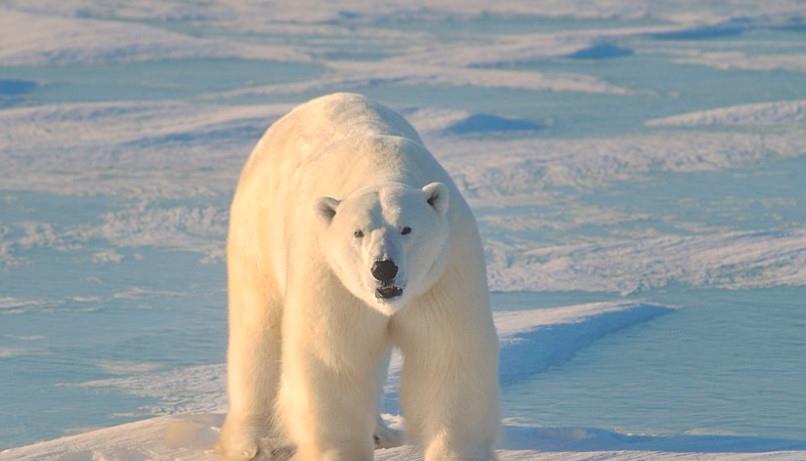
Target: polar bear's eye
{"x":406,"y":230}
{"x":358,"y":234}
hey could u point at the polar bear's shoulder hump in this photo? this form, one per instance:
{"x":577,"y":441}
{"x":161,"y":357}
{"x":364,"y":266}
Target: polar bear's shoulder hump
{"x":352,"y":113}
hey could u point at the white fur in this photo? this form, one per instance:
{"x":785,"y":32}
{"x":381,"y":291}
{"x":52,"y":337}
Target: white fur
{"x":309,"y":337}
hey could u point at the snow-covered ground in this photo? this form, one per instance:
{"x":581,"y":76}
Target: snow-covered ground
{"x":618,"y":154}
{"x":532,"y":341}
{"x":189,"y":437}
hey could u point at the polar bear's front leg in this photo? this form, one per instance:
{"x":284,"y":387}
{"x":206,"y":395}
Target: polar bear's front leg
{"x":327,"y":399}
{"x":449,"y":380}
{"x":253,"y":362}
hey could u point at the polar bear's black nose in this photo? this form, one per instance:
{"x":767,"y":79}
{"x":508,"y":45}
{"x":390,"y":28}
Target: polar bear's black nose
{"x":384,"y":270}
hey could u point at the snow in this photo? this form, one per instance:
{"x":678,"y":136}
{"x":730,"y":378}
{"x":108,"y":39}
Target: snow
{"x":189,"y":437}
{"x":487,"y":123}
{"x":732,"y":260}
{"x":763,"y":114}
{"x":531,"y":341}
{"x":525,"y":167}
{"x":92,"y":141}
{"x":10,"y":305}
{"x":32,"y":39}
{"x":347,"y":75}
{"x":241,"y":13}
{"x":727,"y":60}
{"x":628,"y":147}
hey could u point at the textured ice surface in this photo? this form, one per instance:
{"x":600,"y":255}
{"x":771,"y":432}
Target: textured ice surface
{"x":652,"y":150}
{"x":39,"y":39}
{"x":763,"y":114}
{"x":190,"y":437}
{"x":728,"y":60}
{"x":532,"y":340}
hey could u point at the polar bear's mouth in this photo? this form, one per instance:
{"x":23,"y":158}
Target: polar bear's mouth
{"x":387,"y":292}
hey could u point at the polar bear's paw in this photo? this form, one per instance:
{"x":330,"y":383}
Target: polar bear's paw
{"x":241,"y":450}
{"x":385,"y":436}
{"x":242,"y":444}
{"x":238,"y":442}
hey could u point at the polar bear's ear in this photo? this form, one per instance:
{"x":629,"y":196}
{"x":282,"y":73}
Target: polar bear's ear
{"x":326,"y":208}
{"x":436,"y":194}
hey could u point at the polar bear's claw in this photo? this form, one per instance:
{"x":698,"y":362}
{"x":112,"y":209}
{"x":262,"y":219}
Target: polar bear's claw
{"x":236,"y":445}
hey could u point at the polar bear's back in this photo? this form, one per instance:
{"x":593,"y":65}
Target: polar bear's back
{"x":310,"y":128}
{"x":347,"y":114}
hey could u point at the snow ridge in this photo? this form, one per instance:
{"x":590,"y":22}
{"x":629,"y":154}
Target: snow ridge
{"x":762,"y":114}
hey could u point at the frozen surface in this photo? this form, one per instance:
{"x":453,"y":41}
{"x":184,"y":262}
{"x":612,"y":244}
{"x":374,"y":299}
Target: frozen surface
{"x":532,"y":341}
{"x":764,"y":114}
{"x":619,"y":156}
{"x":189,"y":437}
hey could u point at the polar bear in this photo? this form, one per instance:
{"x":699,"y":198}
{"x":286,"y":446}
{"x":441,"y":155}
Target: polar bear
{"x":346,"y":239}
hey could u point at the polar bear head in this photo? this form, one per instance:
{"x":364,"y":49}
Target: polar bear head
{"x":387,"y":244}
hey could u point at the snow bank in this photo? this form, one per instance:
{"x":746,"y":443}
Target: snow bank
{"x":533,"y":341}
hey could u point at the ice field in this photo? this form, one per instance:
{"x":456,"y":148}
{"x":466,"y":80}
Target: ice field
{"x":637,"y":169}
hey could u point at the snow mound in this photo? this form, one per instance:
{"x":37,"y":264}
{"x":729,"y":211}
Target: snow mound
{"x":488,"y":123}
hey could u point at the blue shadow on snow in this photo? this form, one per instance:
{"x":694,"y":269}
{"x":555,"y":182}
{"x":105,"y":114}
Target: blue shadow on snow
{"x":601,"y":51}
{"x":488,"y":123}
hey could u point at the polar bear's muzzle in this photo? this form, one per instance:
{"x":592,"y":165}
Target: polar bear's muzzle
{"x":384,"y":272}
